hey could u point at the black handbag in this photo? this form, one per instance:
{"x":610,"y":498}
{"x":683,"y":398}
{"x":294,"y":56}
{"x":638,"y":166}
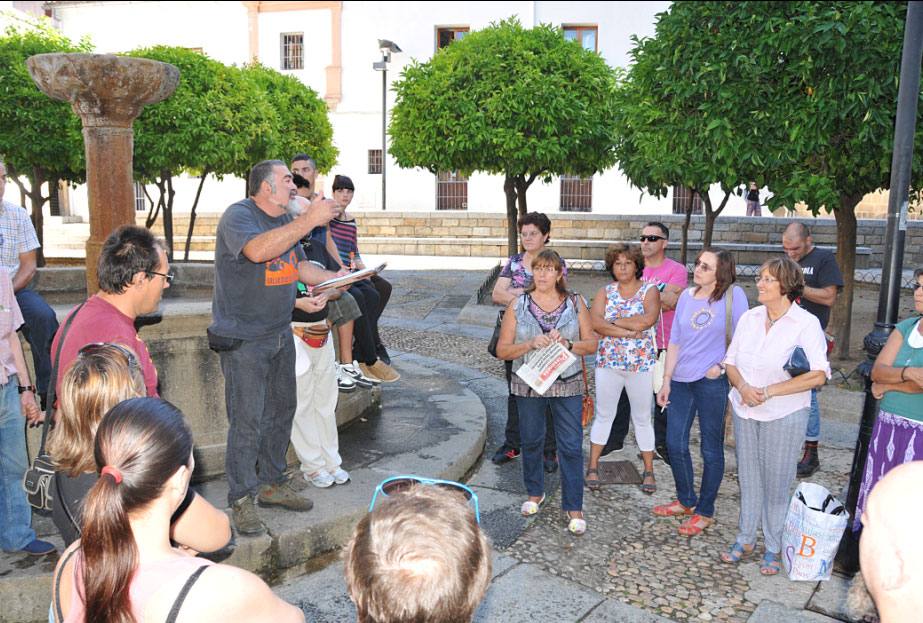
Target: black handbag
{"x":37,"y":480}
{"x":797,"y":363}
{"x":492,"y":344}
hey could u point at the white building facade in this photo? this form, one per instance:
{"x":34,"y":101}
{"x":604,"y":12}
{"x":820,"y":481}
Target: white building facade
{"x":331,"y":47}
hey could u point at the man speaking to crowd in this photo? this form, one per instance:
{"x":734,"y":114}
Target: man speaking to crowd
{"x":257,"y":263}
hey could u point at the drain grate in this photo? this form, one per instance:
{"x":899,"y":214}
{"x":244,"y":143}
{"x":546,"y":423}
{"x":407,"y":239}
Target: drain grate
{"x":619,"y":473}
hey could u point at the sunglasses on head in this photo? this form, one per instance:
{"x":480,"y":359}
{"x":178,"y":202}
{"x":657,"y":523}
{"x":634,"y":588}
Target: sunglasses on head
{"x":98,"y":348}
{"x":651,"y":238}
{"x":400,"y":484}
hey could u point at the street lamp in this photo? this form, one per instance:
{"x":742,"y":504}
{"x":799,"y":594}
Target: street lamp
{"x":386,"y":47}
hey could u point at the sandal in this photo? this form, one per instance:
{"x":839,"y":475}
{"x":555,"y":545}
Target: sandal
{"x":576,"y":526}
{"x":770,"y":564}
{"x":592,"y":485}
{"x":530,"y":508}
{"x":648,"y":487}
{"x":736,"y":553}
{"x":695,"y":525}
{"x":673,"y":509}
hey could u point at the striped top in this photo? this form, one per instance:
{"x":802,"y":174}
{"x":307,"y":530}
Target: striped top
{"x":344,"y":236}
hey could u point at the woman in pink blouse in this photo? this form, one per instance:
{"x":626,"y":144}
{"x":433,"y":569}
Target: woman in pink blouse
{"x":770,"y":406}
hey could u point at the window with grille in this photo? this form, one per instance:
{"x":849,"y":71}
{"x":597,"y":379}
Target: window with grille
{"x":445,"y":36}
{"x":374,"y":162}
{"x":451,"y":191}
{"x":576,"y":194}
{"x":291,"y":46}
{"x":682,"y":197}
{"x":54,"y":199}
{"x":140,"y":200}
{"x":586,"y":35}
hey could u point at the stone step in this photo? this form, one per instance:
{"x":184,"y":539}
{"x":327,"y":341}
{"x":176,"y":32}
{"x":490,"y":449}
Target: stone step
{"x":429,"y":424}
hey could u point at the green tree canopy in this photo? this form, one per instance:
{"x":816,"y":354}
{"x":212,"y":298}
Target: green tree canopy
{"x":216,"y":122}
{"x":40,"y":138}
{"x":303,"y":125}
{"x":522,"y":103}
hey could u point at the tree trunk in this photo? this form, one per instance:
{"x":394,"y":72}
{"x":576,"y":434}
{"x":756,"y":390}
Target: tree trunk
{"x":684,"y":241}
{"x":711,"y":216}
{"x":512,"y":232}
{"x":167,"y":178}
{"x":38,"y":222}
{"x":195,"y":204}
{"x":841,"y":318}
{"x":154,"y":210}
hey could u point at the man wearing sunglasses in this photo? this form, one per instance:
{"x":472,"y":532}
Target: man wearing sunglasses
{"x":671,"y":278}
{"x":132,"y":274}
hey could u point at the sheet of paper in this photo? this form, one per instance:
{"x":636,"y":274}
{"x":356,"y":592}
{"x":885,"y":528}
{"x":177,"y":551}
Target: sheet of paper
{"x":542,"y":367}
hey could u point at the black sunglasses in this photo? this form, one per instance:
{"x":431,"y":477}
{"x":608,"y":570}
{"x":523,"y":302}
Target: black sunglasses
{"x":651,"y":238}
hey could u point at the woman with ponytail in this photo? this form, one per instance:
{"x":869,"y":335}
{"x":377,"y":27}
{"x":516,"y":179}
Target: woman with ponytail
{"x":124,"y":568}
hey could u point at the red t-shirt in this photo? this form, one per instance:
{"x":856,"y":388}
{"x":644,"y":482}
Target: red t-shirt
{"x":99,"y":321}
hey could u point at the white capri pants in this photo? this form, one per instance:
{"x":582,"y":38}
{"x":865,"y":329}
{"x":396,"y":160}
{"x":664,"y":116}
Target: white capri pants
{"x":638,"y":386}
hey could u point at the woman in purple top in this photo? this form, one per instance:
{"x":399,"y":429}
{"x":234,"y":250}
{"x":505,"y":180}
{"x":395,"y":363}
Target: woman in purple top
{"x":694,"y":383}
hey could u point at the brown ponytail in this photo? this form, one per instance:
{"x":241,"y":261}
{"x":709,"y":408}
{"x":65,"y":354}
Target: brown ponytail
{"x":144,"y":441}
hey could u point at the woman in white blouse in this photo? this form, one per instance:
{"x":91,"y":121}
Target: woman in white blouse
{"x":770,"y":406}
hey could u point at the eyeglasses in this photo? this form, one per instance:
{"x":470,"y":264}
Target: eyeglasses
{"x":759,"y":280}
{"x":168,"y":276}
{"x":705,"y":267}
{"x":917,"y":286}
{"x":651,"y":238}
{"x":544,"y":269}
{"x":101,"y":348}
{"x":400,"y":484}
{"x":530,"y":234}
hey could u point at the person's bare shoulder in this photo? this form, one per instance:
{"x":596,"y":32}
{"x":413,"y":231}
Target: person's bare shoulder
{"x":230,"y":594}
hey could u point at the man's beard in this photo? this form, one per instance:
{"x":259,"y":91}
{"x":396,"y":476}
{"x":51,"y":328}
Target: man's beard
{"x":293,"y":207}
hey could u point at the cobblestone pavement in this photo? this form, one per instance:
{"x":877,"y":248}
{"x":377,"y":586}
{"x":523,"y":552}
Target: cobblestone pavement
{"x":653,"y":567}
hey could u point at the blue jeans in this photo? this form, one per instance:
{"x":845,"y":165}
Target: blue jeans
{"x":260,"y":395}
{"x":707,"y":398}
{"x":40,"y":326}
{"x":15,"y":515}
{"x":813,"y":432}
{"x":565,"y":413}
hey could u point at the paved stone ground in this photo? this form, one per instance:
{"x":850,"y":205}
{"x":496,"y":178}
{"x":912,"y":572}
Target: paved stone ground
{"x":658,"y":574}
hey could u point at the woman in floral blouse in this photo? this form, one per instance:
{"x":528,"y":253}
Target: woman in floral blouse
{"x":623,"y":312}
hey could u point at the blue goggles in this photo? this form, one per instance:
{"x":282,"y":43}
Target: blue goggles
{"x":399,"y":484}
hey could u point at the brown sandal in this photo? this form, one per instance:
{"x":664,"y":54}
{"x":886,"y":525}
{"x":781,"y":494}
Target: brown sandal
{"x":673,"y":509}
{"x":592,"y":485}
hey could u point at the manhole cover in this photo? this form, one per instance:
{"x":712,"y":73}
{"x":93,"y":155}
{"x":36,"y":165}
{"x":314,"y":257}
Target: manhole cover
{"x":619,"y":473}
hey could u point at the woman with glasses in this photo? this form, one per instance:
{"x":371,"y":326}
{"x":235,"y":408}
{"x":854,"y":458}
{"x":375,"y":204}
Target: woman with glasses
{"x":124,"y":567}
{"x":623,"y":313}
{"x":897,"y":380}
{"x":694,"y":384}
{"x":771,"y":405}
{"x":514,"y":279}
{"x":102,"y":376}
{"x":546,"y":313}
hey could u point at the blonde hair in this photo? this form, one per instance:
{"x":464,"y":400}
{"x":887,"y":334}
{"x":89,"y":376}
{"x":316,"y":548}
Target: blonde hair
{"x":102,"y":376}
{"x":419,"y":556}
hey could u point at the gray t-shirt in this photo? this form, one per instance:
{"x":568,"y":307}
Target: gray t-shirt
{"x":251,"y":301}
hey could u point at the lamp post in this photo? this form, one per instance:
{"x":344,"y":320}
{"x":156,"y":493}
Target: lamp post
{"x":386,"y":47}
{"x":847,"y":558}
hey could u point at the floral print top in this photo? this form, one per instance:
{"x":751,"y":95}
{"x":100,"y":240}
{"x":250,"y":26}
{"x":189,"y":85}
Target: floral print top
{"x":515,"y":271}
{"x":626,"y":353}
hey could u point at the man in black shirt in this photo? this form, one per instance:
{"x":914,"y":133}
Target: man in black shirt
{"x":823,"y":279}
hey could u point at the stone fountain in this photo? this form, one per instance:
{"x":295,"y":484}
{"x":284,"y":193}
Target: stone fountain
{"x":107,"y":92}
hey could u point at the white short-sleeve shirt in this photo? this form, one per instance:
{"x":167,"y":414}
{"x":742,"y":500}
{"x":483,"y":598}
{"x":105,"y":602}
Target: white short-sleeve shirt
{"x":759,"y":355}
{"x":17,"y":235}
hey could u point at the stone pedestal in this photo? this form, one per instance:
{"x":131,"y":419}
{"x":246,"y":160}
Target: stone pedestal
{"x":107,"y":92}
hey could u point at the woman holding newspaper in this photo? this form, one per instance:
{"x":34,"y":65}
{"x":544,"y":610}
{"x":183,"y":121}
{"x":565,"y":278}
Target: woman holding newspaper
{"x":539,"y":322}
{"x":623,"y":312}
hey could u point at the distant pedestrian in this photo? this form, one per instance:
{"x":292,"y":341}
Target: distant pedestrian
{"x":753,"y":200}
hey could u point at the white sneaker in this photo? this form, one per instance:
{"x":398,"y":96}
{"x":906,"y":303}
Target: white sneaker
{"x":320,"y":479}
{"x":345,"y":383}
{"x":340,"y":476}
{"x":351,"y":370}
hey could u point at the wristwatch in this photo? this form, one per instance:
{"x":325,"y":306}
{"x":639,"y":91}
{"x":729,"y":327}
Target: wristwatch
{"x":25,"y":388}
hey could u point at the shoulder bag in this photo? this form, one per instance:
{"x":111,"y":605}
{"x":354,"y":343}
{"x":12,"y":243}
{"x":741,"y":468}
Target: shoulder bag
{"x":588,"y":407}
{"x":38,"y":479}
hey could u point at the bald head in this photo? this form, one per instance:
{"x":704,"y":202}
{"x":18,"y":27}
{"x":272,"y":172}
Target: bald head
{"x":796,"y":241}
{"x":891,"y":549}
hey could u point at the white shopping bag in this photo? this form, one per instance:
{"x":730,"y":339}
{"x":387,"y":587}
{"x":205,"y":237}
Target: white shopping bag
{"x":813,"y":528}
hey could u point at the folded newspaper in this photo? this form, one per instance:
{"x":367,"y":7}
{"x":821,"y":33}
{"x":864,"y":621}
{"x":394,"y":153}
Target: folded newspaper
{"x":542,"y":367}
{"x":347,"y":280}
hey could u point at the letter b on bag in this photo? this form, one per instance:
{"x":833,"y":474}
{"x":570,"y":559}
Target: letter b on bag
{"x":807,"y":546}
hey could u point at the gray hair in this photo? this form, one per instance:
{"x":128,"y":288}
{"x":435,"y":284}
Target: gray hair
{"x":262,"y":172}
